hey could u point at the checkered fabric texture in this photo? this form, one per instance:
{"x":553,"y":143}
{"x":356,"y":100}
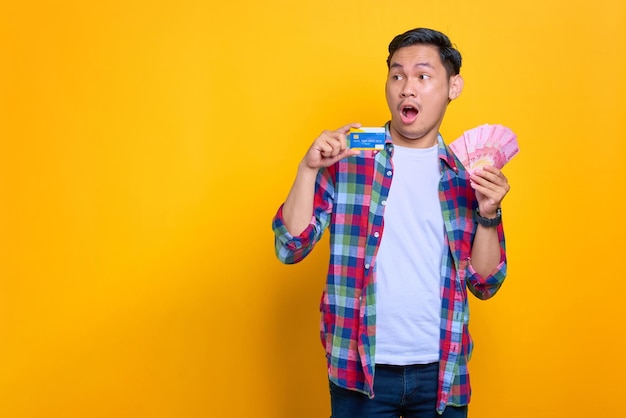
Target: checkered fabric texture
{"x":350,"y":197}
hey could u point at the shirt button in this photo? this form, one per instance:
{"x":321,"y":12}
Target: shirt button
{"x":389,"y":173}
{"x":376,"y":234}
{"x":384,"y":202}
{"x":367,"y":266}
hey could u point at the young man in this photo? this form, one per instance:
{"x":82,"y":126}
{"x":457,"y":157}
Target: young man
{"x":411,"y":231}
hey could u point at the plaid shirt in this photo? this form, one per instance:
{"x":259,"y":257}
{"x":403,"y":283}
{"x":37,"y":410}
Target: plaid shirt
{"x":350,"y":196}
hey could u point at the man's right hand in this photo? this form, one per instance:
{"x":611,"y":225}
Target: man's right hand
{"x":329,"y":147}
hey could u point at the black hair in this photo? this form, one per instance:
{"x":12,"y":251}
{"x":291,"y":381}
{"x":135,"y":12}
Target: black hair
{"x":450,"y":57}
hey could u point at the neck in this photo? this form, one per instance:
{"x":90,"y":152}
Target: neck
{"x":426,"y":141}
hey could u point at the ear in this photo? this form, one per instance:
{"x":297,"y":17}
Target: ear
{"x":456,"y":86}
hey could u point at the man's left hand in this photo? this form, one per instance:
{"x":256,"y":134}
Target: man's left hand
{"x":490,"y":186}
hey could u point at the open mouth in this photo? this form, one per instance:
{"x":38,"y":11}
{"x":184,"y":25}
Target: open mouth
{"x":409,"y":113}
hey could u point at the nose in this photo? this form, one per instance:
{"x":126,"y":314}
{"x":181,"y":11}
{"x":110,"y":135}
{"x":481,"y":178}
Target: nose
{"x":408,"y":90}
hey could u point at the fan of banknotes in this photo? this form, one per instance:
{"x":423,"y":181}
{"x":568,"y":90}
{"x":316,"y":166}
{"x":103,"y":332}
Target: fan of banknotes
{"x":485,"y":145}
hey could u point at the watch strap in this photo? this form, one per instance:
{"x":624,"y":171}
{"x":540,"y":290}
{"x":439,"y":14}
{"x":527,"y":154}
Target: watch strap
{"x":488,"y":222}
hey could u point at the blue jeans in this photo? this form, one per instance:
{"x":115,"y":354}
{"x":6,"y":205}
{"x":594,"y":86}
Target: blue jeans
{"x":406,"y":391}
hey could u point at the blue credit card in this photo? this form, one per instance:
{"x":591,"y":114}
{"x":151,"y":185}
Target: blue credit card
{"x":367,"y":138}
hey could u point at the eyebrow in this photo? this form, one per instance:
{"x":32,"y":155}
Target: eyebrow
{"x":419,"y":64}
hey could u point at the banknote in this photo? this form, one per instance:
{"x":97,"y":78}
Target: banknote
{"x":485,"y":145}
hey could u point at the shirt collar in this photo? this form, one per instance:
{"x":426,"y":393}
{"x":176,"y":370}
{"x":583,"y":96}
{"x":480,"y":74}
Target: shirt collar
{"x":445,"y":154}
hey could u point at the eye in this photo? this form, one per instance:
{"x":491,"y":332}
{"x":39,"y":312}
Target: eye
{"x":396,"y":77}
{"x":424,"y":77}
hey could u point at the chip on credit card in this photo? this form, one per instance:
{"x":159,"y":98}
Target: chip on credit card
{"x":366,"y":138}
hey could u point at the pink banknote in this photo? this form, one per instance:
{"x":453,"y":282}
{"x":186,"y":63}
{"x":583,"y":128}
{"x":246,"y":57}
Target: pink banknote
{"x":485,"y":145}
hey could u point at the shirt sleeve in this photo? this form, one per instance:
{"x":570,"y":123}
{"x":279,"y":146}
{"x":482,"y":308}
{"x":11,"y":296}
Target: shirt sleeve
{"x":487,"y":287}
{"x":292,"y":249}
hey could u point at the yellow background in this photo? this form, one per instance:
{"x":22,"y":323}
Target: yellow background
{"x":145,"y":146}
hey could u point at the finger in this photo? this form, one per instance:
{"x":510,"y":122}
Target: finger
{"x":495,"y":172}
{"x":489,"y":190}
{"x":492,"y":192}
{"x":346,"y":128}
{"x":324,"y":148}
{"x":343,"y":131}
{"x":332,"y":146}
{"x":487,"y":187}
{"x":345,"y":153}
{"x":489,"y":173}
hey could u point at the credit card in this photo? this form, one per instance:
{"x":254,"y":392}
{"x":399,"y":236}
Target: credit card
{"x":367,"y":138}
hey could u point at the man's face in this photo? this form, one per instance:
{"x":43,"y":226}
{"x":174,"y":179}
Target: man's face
{"x":418,"y":90}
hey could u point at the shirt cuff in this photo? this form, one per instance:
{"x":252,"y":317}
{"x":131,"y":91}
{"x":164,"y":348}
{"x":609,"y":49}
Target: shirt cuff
{"x":289,"y":241}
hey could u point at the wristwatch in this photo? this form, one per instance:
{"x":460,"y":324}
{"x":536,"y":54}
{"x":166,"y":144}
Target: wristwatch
{"x":488,"y":222}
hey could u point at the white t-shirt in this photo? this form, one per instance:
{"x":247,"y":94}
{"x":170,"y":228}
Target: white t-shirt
{"x":408,"y":266}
